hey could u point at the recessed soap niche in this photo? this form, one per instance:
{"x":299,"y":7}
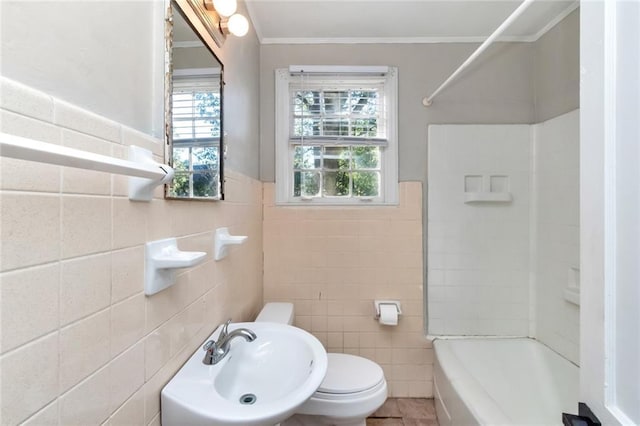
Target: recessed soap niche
{"x":488,"y":188}
{"x":498,"y":183}
{"x":473,"y":183}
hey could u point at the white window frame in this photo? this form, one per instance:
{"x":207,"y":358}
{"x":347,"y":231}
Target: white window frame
{"x":284,"y":149}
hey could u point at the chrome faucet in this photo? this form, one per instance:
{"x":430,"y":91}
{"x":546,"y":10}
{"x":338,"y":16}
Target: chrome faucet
{"x":217,"y":350}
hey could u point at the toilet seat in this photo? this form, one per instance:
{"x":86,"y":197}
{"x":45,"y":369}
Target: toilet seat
{"x":349,"y":374}
{"x":348,"y":397}
{"x":353,"y":388}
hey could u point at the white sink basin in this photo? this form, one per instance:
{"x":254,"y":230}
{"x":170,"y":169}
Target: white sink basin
{"x":258,"y":383}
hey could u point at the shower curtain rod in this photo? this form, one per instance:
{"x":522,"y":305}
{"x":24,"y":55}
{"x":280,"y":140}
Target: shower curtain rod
{"x":516,"y":13}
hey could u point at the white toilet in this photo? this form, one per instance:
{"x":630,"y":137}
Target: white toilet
{"x":353,"y":388}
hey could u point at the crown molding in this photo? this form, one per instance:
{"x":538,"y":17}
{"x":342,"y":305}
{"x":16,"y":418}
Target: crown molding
{"x":408,"y":40}
{"x":388,"y":40}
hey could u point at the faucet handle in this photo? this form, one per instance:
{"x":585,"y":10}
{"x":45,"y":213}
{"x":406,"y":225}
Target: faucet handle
{"x":225,"y":330}
{"x":209,"y":345}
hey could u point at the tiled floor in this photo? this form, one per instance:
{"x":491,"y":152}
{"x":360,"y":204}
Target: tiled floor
{"x":405,"y":412}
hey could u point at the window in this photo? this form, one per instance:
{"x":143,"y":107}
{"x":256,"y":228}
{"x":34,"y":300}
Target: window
{"x":196,"y":136}
{"x":336,"y":135}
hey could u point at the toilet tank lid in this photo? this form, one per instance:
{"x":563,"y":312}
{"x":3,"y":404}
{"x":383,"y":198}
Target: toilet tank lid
{"x":280,"y":312}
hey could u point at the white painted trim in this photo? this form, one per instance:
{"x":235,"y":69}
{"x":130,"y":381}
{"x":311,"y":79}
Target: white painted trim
{"x":592,"y":201}
{"x":339,"y":69}
{"x":388,"y":40}
{"x":603,"y":93}
{"x":389,"y":171}
{"x":616,"y":136}
{"x":534,"y":137}
{"x":390,"y":157}
{"x":609,"y":160}
{"x":281,"y":134}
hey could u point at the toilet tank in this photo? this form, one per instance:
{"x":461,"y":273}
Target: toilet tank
{"x":276,"y":312}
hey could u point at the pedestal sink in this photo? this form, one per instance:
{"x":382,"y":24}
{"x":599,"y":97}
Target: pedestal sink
{"x":258,"y":383}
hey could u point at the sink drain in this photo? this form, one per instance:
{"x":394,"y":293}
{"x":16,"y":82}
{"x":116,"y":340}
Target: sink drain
{"x":248,"y":399}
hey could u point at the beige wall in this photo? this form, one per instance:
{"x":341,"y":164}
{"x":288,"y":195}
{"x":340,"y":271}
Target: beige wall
{"x":332,"y":262}
{"x":114,"y":69}
{"x":557,"y":69}
{"x":241,"y":59}
{"x":81,"y":343}
{"x":72,"y":242}
{"x":496,"y":89}
{"x":193,"y":57}
{"x":314,"y":257}
{"x":120,"y":74}
{"x":511,"y":83}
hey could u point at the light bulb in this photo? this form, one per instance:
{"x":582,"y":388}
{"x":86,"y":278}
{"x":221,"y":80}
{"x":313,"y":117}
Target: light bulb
{"x":238,"y":25}
{"x":225,"y":8}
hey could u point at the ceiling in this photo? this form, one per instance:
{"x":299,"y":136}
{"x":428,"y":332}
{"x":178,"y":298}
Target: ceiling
{"x":400,"y":21}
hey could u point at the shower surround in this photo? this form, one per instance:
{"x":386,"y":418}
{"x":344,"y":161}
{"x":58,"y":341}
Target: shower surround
{"x":506,"y":266}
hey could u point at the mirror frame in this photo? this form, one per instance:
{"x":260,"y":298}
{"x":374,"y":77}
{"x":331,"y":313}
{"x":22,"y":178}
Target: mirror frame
{"x":173,"y":7}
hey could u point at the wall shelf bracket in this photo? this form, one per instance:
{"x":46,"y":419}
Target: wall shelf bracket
{"x":223,"y":240}
{"x":141,"y":189}
{"x":162,"y":258}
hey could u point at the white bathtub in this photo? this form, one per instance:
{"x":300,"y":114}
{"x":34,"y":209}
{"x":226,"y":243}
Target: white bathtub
{"x":502,"y":382}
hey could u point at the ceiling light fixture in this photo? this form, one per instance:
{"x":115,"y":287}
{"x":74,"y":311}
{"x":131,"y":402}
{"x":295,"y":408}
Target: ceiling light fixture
{"x":229,"y":21}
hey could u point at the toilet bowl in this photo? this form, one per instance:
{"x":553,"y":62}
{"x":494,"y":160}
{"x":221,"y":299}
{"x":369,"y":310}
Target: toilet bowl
{"x":353,"y":388}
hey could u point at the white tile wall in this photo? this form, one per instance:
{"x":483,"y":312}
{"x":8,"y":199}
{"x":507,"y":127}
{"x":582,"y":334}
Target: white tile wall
{"x":557,"y":154}
{"x":493,"y":269}
{"x":80,"y":342}
{"x":478,"y":254}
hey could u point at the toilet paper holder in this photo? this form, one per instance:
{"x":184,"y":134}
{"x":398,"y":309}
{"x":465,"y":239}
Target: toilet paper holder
{"x":378,"y":303}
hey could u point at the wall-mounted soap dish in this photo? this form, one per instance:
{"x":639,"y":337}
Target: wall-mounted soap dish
{"x":162,"y":258}
{"x":223,"y":240}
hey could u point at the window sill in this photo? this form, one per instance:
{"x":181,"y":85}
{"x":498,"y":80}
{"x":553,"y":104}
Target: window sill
{"x":356,"y":204}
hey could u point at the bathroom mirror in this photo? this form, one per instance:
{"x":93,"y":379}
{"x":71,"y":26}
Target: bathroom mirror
{"x":194,"y":113}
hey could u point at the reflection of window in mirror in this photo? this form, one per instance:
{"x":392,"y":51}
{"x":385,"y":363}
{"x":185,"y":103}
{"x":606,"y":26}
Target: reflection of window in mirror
{"x":196,"y":133}
{"x":195,"y":111}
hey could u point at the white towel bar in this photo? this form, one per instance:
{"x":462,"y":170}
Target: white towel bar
{"x":144,"y":167}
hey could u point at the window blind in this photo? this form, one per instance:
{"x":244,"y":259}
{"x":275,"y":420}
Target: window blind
{"x":196,"y":111}
{"x":337,"y":109}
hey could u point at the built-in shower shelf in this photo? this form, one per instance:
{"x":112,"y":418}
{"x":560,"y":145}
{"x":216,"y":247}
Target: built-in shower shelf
{"x":487,"y":197}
